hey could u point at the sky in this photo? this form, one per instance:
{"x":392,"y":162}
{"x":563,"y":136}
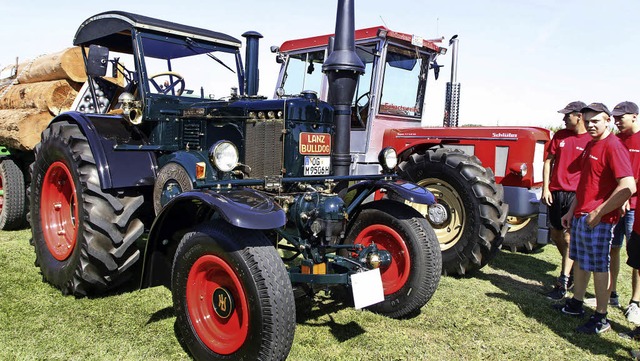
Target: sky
{"x":519,"y":61}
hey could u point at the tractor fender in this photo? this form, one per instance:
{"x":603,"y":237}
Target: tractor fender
{"x":116,"y":169}
{"x":405,"y":152}
{"x":403,"y":189}
{"x":404,"y":146}
{"x":185,"y":159}
{"x":241,"y":207}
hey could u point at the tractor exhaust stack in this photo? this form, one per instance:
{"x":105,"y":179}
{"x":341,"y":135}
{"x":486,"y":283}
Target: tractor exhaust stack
{"x":251,"y":67}
{"x":452,"y":102}
{"x":343,"y":67}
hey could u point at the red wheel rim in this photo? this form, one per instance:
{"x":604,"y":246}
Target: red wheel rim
{"x":386,"y":238}
{"x":59,"y":211}
{"x":222,"y":335}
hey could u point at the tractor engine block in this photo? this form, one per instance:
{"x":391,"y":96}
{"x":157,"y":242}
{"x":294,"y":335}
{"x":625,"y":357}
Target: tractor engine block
{"x":319,"y":217}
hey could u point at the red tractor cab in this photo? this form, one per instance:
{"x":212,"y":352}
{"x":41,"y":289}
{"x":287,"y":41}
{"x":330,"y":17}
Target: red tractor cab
{"x":474,"y":172}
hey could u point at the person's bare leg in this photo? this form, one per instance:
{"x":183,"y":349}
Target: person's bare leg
{"x":614,"y":268}
{"x":557,"y":237}
{"x":567,"y":263}
{"x":601,"y":286}
{"x":561,"y":239}
{"x":635,"y":285}
{"x":580,"y":281}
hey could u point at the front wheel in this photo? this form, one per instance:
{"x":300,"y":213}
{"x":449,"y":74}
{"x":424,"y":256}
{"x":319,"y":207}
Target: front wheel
{"x":232,"y":295}
{"x":416,"y":262}
{"x":470,"y":215}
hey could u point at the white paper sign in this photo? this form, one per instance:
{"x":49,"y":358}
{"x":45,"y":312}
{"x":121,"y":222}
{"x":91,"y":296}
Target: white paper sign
{"x":417,"y":40}
{"x":367,"y":288}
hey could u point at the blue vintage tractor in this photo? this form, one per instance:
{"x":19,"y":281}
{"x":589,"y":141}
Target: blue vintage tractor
{"x":232,"y":201}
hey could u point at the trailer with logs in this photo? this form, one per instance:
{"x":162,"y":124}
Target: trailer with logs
{"x":32,"y":92}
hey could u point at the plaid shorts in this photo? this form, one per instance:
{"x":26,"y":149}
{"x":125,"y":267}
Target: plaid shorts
{"x":590,"y":247}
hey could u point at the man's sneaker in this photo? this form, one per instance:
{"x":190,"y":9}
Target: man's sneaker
{"x":569,"y":308}
{"x":613,"y":299}
{"x":631,"y":335}
{"x":595,"y":326}
{"x":560,"y":289}
{"x":557,"y":293}
{"x":633,"y":313}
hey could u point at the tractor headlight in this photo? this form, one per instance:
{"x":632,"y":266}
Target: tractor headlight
{"x":520,"y":169}
{"x":388,"y":159}
{"x":224,"y":155}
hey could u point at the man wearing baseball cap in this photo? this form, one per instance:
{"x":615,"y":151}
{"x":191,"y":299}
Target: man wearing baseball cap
{"x":626,"y":118}
{"x":561,"y":172}
{"x":606,"y":183}
{"x":625,"y":115}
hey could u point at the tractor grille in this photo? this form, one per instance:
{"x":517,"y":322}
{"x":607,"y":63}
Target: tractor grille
{"x":264,"y":147}
{"x":191,"y":135}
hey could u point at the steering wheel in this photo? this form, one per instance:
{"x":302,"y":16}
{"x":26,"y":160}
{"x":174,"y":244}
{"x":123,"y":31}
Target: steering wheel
{"x":367,"y":95}
{"x":362,"y":110}
{"x":173,"y":84}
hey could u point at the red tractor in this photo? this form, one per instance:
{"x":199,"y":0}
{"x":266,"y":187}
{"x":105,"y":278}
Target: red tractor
{"x":474,"y":172}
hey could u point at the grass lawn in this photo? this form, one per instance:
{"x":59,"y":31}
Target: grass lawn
{"x":499,"y":314}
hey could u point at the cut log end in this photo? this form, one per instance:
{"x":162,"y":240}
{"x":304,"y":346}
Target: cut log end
{"x":21,"y":128}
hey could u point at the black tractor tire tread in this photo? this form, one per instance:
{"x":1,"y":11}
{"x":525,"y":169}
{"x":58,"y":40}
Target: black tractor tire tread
{"x":429,"y":260}
{"x":92,"y":188}
{"x":492,"y":211}
{"x":105,"y":259}
{"x":271,"y":280}
{"x":14,"y":209}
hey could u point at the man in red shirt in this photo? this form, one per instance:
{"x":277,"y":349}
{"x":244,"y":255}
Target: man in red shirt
{"x":561,"y":173}
{"x":626,"y":117}
{"x":606,"y":183}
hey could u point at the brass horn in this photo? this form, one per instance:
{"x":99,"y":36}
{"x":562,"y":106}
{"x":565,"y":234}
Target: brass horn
{"x":131,"y":108}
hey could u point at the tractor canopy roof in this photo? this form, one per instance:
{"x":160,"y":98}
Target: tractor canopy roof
{"x":362,"y":34}
{"x":113,"y":29}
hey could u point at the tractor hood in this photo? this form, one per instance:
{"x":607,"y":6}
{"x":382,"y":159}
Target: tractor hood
{"x":502,"y":146}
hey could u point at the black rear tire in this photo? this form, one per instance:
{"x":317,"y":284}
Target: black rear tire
{"x":218,"y":263}
{"x":473,"y":230}
{"x":84,"y":238}
{"x":414,"y":274}
{"x":13,"y":210}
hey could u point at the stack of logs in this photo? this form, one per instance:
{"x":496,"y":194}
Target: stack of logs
{"x":42,"y":89}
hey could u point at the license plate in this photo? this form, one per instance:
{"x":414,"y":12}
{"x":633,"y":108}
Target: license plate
{"x":317,"y":165}
{"x":367,"y":288}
